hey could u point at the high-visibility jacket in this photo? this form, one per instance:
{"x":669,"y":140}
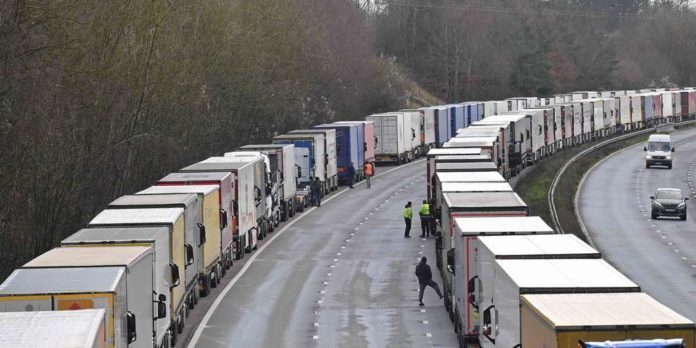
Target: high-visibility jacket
{"x":408,"y":213}
{"x":368,"y":169}
{"x":424,"y":209}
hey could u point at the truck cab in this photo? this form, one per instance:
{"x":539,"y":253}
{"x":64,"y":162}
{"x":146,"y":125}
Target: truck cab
{"x":659,"y":151}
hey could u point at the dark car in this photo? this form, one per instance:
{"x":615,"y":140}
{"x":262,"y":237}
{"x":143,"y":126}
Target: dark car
{"x":668,"y":202}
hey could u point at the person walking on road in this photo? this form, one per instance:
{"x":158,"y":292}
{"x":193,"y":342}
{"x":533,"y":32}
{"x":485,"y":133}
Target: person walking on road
{"x":425,"y":278}
{"x":369,"y":171}
{"x":408,"y":215}
{"x":424,"y":213}
{"x":315,"y":185}
{"x":351,"y":174}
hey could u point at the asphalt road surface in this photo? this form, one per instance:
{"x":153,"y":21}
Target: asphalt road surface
{"x":341,"y":275}
{"x":659,"y":255}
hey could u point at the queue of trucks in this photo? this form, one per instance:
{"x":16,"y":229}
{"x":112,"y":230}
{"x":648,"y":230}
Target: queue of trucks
{"x":142,"y":264}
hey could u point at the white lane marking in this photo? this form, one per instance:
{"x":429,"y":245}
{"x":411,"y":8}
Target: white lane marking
{"x":204,"y":322}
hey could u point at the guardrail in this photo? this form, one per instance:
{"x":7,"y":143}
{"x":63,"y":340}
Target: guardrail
{"x":554,"y":183}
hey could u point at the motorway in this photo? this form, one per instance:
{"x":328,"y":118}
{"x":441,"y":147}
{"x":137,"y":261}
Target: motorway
{"x":659,"y":255}
{"x":341,"y":275}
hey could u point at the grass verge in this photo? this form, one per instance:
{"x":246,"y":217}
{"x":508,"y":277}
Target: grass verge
{"x":534,"y":187}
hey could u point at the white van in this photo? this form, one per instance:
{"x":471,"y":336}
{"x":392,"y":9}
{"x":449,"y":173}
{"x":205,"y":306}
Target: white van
{"x":659,"y":151}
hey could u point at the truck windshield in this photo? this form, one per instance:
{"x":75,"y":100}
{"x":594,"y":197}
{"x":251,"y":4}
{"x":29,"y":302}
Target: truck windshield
{"x":671,"y":194}
{"x":659,"y":146}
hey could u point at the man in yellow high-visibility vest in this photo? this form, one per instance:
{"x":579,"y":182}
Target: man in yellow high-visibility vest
{"x":424,"y":212}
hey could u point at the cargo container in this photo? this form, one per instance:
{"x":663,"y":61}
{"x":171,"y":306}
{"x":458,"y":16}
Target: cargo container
{"x":116,"y":279}
{"x":429,"y":136}
{"x":502,"y":132}
{"x":488,"y":109}
{"x":676,"y":105}
{"x":478,"y":166}
{"x":476,"y":187}
{"x":657,"y":108}
{"x":283,"y":174}
{"x":667,"y":105}
{"x":157,"y":238}
{"x":194,"y":230}
{"x":61,"y":329}
{"x":329,"y":158}
{"x":546,"y":138}
{"x":180,"y":254}
{"x":464,"y":257}
{"x":515,"y":104}
{"x":520,"y":149}
{"x":394,"y":137}
{"x":430,"y":163}
{"x":470,"y":204}
{"x":309,"y":155}
{"x":500,"y":304}
{"x":417,"y":131}
{"x":244,"y":197}
{"x":349,"y":149}
{"x":637,"y":116}
{"x":443,"y":126}
{"x":587,"y":125}
{"x":623,"y":106}
{"x":688,"y":102}
{"x":647,"y":109}
{"x":267,"y":199}
{"x":562,"y":320}
{"x":230,"y":246}
{"x":581,"y":95}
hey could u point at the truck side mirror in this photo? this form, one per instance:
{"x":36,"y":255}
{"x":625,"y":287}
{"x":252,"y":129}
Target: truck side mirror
{"x":189,"y":254}
{"x":686,"y":198}
{"x":161,"y":307}
{"x":652,"y":197}
{"x":223,"y":218}
{"x":487,"y":329}
{"x":130,"y":326}
{"x":472,"y":292}
{"x":201,"y":232}
{"x":450,"y":261}
{"x":175,"y":275}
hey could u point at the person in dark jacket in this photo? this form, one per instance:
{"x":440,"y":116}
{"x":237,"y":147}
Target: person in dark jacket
{"x":316,"y":192}
{"x":351,"y":174}
{"x":425,"y":278}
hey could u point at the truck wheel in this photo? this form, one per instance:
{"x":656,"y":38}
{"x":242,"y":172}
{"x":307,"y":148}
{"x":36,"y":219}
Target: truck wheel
{"x":172,"y":334}
{"x":205,"y":289}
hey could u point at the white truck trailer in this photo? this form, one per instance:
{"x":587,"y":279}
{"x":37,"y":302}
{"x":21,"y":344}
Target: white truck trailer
{"x":430,"y":162}
{"x":173,"y":220}
{"x":562,"y":320}
{"x":394,"y":137}
{"x":500,"y":304}
{"x":471,"y":204}
{"x":283,"y":171}
{"x":464,"y":257}
{"x":245,"y":193}
{"x":60,"y":329}
{"x":310,"y":156}
{"x":194,"y":230}
{"x":116,"y":279}
{"x":329,"y":160}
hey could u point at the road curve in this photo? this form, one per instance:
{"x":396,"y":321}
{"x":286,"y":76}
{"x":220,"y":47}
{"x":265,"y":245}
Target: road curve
{"x":659,"y":255}
{"x":341,"y":276}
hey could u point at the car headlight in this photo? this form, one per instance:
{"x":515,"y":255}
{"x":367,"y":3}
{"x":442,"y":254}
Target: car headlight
{"x":657,"y":205}
{"x":681,"y":205}
{"x":648,"y":157}
{"x":669,"y":157}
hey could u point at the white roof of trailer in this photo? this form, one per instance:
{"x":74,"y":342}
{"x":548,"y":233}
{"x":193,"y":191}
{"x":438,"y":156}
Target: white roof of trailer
{"x":454,"y":151}
{"x":476,"y":187}
{"x":168,"y":200}
{"x":27,"y":281}
{"x":116,"y":234}
{"x":466,"y":166}
{"x":501,"y":119}
{"x":463,"y":158}
{"x":538,"y":246}
{"x":562,"y":274}
{"x":96,"y":256}
{"x":471,"y":142}
{"x":608,"y":310}
{"x":473,"y":132}
{"x":484,"y":201}
{"x":152,"y":216}
{"x":470,"y":177}
{"x":195,"y":177}
{"x":167,"y":189}
{"x":51,"y":329}
{"x":501,"y":225}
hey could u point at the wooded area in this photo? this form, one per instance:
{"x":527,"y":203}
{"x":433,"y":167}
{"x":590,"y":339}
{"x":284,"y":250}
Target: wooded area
{"x":493,"y":49}
{"x":99,"y":99}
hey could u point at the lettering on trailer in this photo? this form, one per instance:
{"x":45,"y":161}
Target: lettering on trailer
{"x":71,"y":305}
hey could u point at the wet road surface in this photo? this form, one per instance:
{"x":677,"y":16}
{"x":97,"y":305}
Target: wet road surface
{"x":659,"y":255}
{"x":341,"y":276}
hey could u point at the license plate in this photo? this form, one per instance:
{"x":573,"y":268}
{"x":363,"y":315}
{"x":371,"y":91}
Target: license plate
{"x":669,"y":210}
